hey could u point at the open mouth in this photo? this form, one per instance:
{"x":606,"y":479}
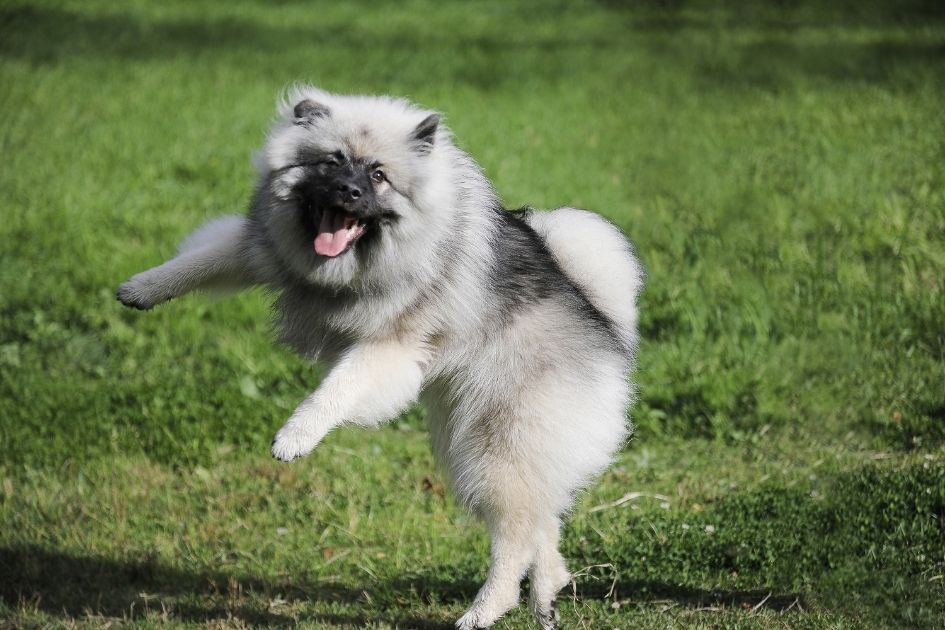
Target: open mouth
{"x":337,"y":231}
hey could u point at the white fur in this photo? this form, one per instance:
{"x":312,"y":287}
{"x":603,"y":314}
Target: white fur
{"x":524,"y":408}
{"x":597,"y":255}
{"x":372,"y":383}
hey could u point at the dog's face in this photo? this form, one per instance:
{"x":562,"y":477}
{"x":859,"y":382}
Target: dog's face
{"x":348,"y":180}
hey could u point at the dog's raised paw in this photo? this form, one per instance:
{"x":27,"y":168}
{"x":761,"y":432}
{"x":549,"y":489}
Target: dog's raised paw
{"x":293,"y":441}
{"x":131,"y":294}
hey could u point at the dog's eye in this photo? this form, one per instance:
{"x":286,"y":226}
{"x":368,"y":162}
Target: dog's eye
{"x":377,"y":176}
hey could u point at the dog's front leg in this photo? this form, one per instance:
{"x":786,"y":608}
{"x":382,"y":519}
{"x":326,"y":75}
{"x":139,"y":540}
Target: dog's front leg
{"x":372,"y":383}
{"x":218,"y":255}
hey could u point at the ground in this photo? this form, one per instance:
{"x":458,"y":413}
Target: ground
{"x":779,"y":168}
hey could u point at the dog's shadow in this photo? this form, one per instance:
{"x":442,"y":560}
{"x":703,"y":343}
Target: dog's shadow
{"x":71,"y":586}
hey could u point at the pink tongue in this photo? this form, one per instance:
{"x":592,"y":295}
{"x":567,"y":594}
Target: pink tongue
{"x":333,"y":236}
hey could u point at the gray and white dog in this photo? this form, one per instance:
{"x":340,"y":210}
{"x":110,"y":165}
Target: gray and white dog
{"x":397,"y":266}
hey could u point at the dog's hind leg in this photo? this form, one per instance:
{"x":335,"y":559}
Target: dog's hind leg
{"x":219,"y":255}
{"x":548,"y":574}
{"x":513,"y":550}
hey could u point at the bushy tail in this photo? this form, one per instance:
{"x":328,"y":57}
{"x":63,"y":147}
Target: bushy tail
{"x":597,"y":257}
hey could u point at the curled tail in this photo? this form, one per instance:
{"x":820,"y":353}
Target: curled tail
{"x":599,"y":259}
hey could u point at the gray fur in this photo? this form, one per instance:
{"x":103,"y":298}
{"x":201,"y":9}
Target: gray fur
{"x":516,"y":330}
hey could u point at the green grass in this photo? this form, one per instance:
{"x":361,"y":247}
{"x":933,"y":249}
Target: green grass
{"x":780,"y":168}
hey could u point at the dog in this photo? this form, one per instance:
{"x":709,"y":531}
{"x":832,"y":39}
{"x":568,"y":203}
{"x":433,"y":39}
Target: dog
{"x":396,"y":265}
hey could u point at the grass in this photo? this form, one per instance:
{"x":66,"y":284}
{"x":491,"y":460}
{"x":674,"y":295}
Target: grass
{"x":779,"y":168}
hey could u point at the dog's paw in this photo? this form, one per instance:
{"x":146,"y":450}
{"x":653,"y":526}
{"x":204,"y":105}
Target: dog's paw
{"x":471,"y":621}
{"x":492,"y":601}
{"x":547,"y":616}
{"x":293,"y":441}
{"x":135,"y":293}
{"x":546,"y":580}
{"x":485,"y":613}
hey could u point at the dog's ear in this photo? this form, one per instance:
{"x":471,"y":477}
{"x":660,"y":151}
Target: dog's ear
{"x":422,"y":137}
{"x":309,"y":110}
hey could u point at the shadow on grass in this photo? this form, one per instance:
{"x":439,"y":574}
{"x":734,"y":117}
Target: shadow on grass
{"x":673,"y":16}
{"x":75,"y":586}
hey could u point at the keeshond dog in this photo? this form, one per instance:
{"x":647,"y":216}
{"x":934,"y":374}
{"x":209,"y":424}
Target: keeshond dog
{"x":397,"y":266}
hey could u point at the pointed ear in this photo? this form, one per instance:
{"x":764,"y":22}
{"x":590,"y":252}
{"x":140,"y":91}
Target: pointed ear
{"x":422,"y":137}
{"x":309,"y":109}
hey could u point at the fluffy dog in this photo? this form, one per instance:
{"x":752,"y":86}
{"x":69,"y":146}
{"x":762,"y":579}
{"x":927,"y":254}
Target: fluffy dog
{"x":397,"y":266}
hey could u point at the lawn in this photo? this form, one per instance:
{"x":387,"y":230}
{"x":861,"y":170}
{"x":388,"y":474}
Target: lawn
{"x":780,"y":169}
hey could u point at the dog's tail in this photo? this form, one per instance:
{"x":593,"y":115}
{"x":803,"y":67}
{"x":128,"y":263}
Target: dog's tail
{"x":599,"y":259}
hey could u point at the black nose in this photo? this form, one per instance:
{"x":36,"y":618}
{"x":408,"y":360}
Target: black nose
{"x":349,"y":192}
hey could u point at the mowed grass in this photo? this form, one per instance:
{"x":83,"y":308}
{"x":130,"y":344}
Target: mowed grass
{"x":780,"y":169}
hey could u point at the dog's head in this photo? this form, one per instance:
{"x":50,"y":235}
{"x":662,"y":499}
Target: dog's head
{"x":352,"y":183}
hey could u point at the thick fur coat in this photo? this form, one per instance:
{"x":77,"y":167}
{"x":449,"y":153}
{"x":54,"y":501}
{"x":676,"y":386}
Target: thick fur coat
{"x":396,"y":265}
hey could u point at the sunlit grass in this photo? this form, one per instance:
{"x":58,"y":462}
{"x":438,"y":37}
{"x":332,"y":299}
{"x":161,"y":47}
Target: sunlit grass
{"x":778,"y":169}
